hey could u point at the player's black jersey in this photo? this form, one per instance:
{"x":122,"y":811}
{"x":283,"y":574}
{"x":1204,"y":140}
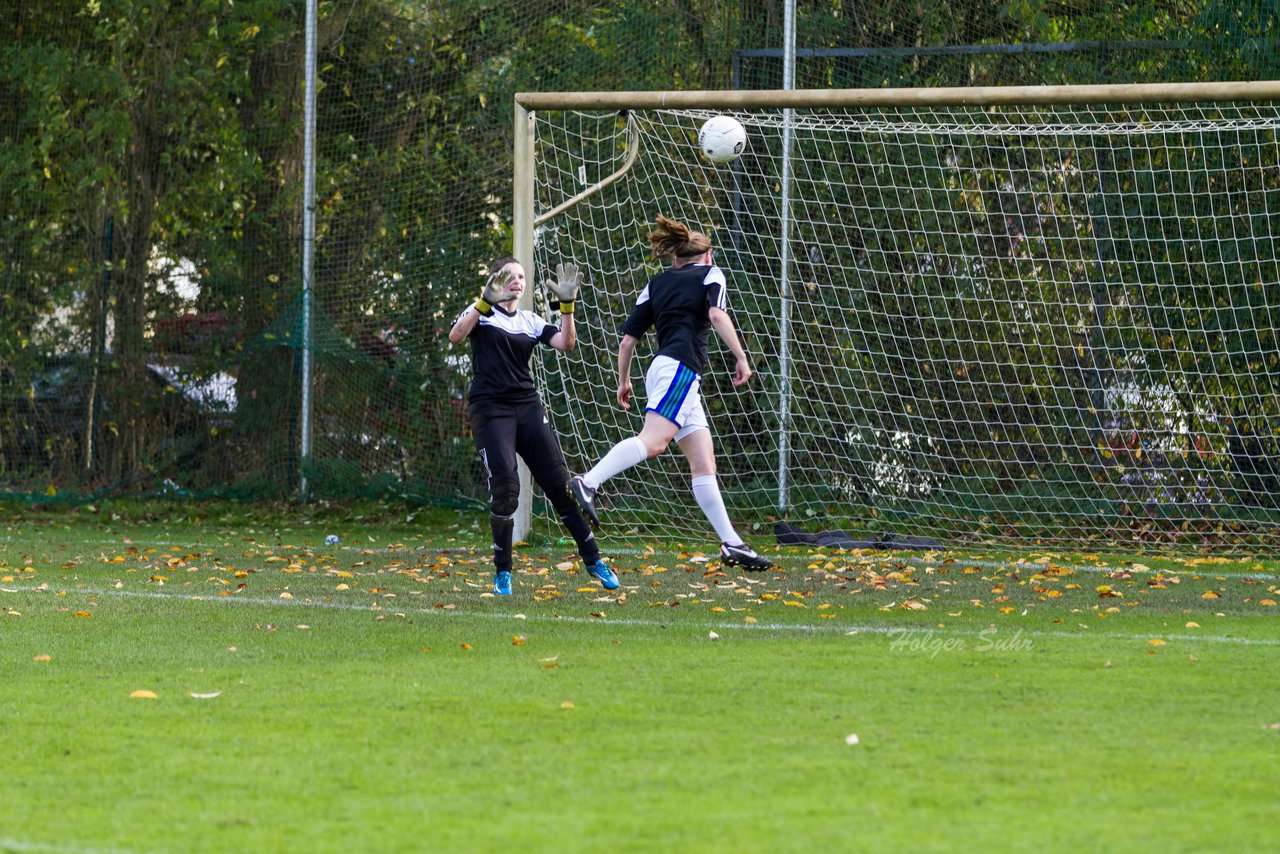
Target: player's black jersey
{"x":501,"y":345}
{"x":677,"y":303}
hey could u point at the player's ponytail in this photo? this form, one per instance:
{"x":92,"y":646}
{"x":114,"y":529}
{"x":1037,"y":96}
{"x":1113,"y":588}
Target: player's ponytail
{"x":671,"y":239}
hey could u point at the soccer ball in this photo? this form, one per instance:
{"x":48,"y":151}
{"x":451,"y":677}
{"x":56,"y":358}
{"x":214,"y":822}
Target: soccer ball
{"x":722,"y":139}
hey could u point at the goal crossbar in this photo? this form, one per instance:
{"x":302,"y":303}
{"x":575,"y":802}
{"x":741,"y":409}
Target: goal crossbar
{"x":977,"y":96}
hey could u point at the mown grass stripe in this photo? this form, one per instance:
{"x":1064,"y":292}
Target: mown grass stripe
{"x":834,"y":628}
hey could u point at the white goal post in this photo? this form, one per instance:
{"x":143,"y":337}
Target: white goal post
{"x":1037,"y":316}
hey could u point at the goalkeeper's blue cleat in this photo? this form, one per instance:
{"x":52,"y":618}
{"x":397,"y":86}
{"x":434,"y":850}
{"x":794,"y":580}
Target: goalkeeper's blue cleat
{"x":502,"y":582}
{"x":601,"y":572}
{"x":586,"y":498}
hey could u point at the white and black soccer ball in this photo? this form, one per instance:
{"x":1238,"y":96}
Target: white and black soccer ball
{"x":722,"y":139}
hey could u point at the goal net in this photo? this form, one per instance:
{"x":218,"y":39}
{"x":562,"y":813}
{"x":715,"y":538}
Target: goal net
{"x":1049,"y":324}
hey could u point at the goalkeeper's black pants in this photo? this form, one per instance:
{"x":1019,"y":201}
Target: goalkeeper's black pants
{"x":501,"y":432}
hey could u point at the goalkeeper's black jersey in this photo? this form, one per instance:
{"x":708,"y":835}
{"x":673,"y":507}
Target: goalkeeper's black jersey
{"x":501,"y":345}
{"x":677,"y":304}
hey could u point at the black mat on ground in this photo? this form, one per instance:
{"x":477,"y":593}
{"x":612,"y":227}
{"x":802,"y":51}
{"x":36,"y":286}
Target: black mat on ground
{"x":789,"y":535}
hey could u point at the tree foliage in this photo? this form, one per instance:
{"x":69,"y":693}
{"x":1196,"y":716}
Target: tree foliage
{"x":151,"y":146}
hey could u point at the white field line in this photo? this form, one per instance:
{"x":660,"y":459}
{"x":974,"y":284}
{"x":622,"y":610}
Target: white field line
{"x":835,"y":628}
{"x":8,"y":844}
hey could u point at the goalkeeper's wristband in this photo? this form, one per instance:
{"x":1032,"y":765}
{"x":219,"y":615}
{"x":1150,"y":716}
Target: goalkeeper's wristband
{"x":566,"y":307}
{"x":483,"y":307}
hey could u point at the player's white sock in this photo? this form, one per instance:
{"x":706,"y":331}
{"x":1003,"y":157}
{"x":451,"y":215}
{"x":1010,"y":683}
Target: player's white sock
{"x":706,"y":489}
{"x":622,"y":456}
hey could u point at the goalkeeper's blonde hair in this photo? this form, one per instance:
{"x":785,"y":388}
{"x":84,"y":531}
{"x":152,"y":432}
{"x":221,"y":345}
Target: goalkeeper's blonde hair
{"x":672,"y":239}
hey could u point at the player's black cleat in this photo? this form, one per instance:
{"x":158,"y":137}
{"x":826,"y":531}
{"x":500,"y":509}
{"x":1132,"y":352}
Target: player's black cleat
{"x":586,"y":498}
{"x":744,"y":556}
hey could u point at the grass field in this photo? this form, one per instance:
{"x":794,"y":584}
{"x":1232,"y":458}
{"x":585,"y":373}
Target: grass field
{"x":373,"y":696}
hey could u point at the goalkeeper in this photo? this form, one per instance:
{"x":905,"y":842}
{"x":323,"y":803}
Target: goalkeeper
{"x":683,"y":304}
{"x":507,"y":416}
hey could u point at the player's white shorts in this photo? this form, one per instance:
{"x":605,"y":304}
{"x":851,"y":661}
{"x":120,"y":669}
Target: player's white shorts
{"x":675,"y":392}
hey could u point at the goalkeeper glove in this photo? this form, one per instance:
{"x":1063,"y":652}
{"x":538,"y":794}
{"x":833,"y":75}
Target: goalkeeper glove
{"x":565,"y":287}
{"x":494,"y":291}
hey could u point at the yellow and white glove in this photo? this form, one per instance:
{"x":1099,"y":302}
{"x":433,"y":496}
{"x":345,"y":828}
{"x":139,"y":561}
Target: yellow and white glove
{"x":494,"y":291}
{"x":565,"y":287}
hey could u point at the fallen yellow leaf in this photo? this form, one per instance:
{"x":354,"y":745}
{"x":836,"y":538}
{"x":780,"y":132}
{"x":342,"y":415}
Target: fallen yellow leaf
{"x":1155,"y":642}
{"x":143,"y":695}
{"x":42,"y":657}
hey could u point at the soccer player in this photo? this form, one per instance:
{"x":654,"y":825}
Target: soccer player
{"x":507,"y":416}
{"x":683,"y":304}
